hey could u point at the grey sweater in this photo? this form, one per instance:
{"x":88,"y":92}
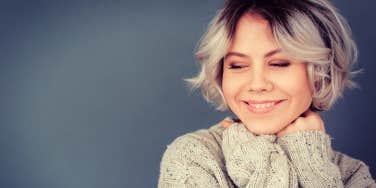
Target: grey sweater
{"x":234,"y":157}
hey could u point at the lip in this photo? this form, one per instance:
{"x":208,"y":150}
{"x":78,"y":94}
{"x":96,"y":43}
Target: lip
{"x":261,"y":102}
{"x":262,"y":110}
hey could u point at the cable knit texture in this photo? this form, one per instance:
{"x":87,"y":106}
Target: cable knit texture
{"x":249,"y":157}
{"x":234,"y":157}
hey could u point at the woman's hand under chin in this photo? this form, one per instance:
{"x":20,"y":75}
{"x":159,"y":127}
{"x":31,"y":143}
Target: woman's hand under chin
{"x":309,"y":120}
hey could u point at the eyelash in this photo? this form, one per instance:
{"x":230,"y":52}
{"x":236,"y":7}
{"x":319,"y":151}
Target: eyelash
{"x":286,"y":64}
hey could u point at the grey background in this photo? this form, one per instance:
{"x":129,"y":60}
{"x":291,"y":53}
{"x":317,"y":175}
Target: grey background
{"x":92,"y":91}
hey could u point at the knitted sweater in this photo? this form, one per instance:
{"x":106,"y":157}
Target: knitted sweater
{"x":234,"y":157}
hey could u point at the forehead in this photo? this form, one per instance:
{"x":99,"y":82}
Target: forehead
{"x":253,"y":34}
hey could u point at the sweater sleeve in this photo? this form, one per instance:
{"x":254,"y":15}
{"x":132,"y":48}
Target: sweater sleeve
{"x":256,"y":161}
{"x":355,"y":173}
{"x":311,"y":155}
{"x":188,"y":162}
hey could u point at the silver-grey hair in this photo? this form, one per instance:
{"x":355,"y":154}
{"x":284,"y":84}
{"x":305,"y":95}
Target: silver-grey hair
{"x":312,"y":31}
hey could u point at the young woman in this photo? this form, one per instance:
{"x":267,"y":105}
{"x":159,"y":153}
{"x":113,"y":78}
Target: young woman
{"x":274,"y":64}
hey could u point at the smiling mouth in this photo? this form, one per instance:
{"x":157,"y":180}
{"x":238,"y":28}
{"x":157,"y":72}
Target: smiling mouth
{"x":265,"y":107}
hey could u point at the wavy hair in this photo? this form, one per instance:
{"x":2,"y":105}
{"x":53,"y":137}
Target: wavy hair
{"x":312,"y":31}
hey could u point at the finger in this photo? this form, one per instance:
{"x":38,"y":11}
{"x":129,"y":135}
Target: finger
{"x":314,"y":118}
{"x":226,"y":122}
{"x":285,"y":129}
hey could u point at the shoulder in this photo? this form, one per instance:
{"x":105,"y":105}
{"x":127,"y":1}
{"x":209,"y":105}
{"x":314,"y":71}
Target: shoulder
{"x":194,"y":157}
{"x":202,"y":144}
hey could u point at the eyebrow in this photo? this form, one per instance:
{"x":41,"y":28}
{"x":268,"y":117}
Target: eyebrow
{"x":278,"y":50}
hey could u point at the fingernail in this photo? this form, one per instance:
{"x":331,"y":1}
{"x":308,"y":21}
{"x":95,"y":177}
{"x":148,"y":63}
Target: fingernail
{"x":228,"y":119}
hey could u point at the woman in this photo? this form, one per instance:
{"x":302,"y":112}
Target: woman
{"x":274,"y":64}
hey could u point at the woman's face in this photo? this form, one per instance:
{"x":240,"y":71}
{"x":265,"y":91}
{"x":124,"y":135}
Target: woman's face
{"x":256,"y":71}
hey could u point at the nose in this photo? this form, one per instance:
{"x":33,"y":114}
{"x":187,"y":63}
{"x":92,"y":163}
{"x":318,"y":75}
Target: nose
{"x":259,"y":81}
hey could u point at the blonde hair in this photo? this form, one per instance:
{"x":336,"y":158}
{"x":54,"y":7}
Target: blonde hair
{"x":312,"y":31}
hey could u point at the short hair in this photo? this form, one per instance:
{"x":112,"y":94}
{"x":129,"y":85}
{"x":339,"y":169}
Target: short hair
{"x":312,"y":31}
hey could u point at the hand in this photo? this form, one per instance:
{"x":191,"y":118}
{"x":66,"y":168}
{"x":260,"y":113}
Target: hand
{"x":226,"y":122}
{"x":309,"y":120}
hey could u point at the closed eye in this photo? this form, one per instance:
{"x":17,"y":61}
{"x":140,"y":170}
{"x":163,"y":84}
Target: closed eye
{"x":235,"y":67}
{"x":281,"y":64}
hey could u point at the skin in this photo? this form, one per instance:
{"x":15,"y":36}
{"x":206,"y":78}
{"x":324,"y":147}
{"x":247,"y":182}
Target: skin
{"x":308,"y":121}
{"x":250,"y":74}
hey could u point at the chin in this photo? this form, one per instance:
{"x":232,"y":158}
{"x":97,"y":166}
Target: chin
{"x":263,"y":130}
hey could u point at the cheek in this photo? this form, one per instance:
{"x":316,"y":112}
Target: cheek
{"x":295,"y":80}
{"x":294,"y":87}
{"x":297,"y":86}
{"x":231,"y":86}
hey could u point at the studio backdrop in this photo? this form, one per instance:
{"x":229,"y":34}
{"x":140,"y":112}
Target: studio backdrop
{"x":92,"y":91}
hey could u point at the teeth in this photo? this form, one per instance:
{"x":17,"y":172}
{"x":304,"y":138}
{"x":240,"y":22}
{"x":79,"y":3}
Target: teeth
{"x":266,"y":105}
